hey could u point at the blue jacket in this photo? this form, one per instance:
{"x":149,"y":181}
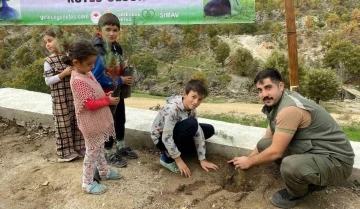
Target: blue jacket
{"x":99,"y":71}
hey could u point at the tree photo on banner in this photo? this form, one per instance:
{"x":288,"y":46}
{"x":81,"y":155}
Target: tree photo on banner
{"x":229,"y":11}
{"x":150,"y":12}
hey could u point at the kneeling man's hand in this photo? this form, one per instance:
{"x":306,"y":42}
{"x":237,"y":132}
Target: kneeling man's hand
{"x":206,"y":165}
{"x":240,"y":162}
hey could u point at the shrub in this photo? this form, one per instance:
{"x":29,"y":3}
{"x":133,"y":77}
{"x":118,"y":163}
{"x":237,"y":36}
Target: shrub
{"x":320,"y":84}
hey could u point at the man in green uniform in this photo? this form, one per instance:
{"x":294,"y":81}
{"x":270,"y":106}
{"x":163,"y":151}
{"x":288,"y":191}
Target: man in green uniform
{"x":314,"y":150}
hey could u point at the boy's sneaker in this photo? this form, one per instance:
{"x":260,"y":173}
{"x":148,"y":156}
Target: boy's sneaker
{"x":115,"y":160}
{"x":127,"y":152}
{"x":171,"y":166}
{"x":96,"y":189}
{"x":68,"y":158}
{"x":283,"y":199}
{"x":113,"y":175}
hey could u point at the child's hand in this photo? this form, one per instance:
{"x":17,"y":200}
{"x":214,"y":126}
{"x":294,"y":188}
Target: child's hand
{"x":184,"y":170}
{"x":109,"y":93}
{"x":206,"y":165}
{"x":66,"y":72}
{"x":114,"y":100}
{"x":127,"y":80}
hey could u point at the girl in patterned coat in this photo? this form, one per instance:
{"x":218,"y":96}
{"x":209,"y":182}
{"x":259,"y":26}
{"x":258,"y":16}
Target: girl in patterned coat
{"x":176,"y":131}
{"x":70,"y":143}
{"x":93,"y":115}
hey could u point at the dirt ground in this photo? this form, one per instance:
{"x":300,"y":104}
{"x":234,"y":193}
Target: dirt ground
{"x":31,"y":178}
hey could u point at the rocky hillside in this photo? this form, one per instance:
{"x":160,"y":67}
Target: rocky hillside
{"x":167,"y":56}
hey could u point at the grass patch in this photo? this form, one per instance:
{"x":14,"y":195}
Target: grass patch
{"x":247,"y":120}
{"x":145,"y":95}
{"x":214,"y":99}
{"x":189,"y":62}
{"x":352,"y":131}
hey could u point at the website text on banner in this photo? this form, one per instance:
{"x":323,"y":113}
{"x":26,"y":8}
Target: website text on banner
{"x":139,"y":12}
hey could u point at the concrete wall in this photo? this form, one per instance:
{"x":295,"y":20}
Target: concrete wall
{"x":35,"y":107}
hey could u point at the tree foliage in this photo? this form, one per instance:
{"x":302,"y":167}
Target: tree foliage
{"x":346,"y":53}
{"x":190,"y":40}
{"x":332,"y":20}
{"x":201,"y":76}
{"x":222,"y":52}
{"x":247,"y":28}
{"x":214,"y":42}
{"x":146,"y":65}
{"x":279,"y":61}
{"x":320,"y":84}
{"x":241,"y":62}
{"x":211,"y":31}
{"x":30,"y":79}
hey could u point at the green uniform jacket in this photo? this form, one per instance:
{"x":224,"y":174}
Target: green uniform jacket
{"x":323,"y":136}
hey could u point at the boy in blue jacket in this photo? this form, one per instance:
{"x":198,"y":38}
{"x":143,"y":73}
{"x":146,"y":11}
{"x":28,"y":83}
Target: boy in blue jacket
{"x":108,"y":32}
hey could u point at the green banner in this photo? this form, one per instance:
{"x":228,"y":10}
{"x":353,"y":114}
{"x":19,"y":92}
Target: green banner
{"x":139,"y":12}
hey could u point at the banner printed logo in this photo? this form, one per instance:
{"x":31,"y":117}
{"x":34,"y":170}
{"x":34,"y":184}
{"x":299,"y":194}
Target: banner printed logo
{"x":148,"y":14}
{"x":95,"y":16}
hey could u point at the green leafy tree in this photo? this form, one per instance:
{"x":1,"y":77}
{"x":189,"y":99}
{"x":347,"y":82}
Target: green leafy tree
{"x":276,"y":30}
{"x":24,"y":56}
{"x":4,"y":58}
{"x":186,"y":29}
{"x":211,"y":31}
{"x":214,"y":42}
{"x":265,"y":27}
{"x":146,"y":65}
{"x":314,"y":4}
{"x":355,"y":14}
{"x":241,"y":62}
{"x":190,"y":40}
{"x":129,"y":40}
{"x":30,"y":78}
{"x":227,"y":29}
{"x":332,"y":20}
{"x":154,"y":41}
{"x":320,"y":84}
{"x":309,"y":22}
{"x":164,"y":36}
{"x":346,"y":53}
{"x":247,"y":28}
{"x":329,"y":40}
{"x":2,"y":34}
{"x":199,"y":75}
{"x":222,"y":52}
{"x":279,"y":61}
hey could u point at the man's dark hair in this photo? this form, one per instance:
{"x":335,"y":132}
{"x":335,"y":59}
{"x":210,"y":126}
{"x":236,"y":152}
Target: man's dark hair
{"x":197,"y":86}
{"x":271,"y":73}
{"x":108,"y":19}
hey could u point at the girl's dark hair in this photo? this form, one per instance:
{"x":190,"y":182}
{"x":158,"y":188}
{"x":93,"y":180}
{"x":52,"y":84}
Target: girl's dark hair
{"x":197,"y":86}
{"x":63,"y":39}
{"x":79,"y":50}
{"x":56,"y":33}
{"x":271,"y":73}
{"x":108,"y":19}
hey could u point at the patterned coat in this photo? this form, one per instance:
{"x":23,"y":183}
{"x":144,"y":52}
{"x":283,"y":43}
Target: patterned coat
{"x":164,"y":123}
